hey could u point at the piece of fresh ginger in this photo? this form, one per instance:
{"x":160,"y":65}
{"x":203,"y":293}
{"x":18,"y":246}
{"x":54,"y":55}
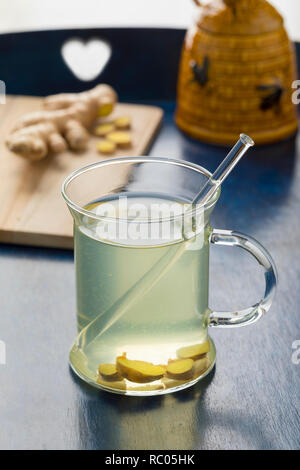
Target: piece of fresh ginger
{"x":180,"y":369}
{"x":117,"y":384}
{"x":170,"y":383}
{"x":200,"y":366}
{"x":194,"y":352}
{"x":139,"y":371}
{"x":120,"y":138}
{"x":109,"y":372}
{"x":122,"y":122}
{"x":103,"y":129}
{"x":63,"y":123}
{"x":106,"y":147}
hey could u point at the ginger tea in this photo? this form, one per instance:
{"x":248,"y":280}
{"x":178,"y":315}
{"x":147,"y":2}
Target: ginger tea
{"x":153,"y":327}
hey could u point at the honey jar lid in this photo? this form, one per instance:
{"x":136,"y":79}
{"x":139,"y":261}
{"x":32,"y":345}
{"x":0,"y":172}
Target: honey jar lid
{"x":238,"y":17}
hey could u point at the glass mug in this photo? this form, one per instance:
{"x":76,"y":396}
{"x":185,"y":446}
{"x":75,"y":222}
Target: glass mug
{"x":142,"y":268}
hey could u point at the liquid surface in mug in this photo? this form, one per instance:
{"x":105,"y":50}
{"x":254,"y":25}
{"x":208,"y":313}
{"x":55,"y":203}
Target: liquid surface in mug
{"x":113,"y":258}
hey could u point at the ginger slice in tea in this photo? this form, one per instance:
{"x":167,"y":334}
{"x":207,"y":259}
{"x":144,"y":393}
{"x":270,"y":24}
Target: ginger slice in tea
{"x":109,"y":372}
{"x":170,"y":383}
{"x":194,"y":352}
{"x":114,"y":384}
{"x":181,"y":369}
{"x":200,"y":366}
{"x":139,"y":371}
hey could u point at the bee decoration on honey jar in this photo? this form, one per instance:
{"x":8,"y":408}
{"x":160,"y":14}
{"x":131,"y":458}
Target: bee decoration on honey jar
{"x":236,"y":72}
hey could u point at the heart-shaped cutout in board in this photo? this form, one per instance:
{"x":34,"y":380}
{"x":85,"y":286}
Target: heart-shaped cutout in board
{"x":86,"y":59}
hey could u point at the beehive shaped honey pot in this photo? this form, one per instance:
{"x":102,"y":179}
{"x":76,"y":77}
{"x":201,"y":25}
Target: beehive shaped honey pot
{"x":236,"y":73}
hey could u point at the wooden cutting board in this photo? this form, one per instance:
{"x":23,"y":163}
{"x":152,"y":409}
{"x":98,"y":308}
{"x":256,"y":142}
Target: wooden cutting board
{"x":32,"y":210}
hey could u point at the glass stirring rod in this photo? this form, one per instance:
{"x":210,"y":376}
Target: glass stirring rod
{"x":223,"y":170}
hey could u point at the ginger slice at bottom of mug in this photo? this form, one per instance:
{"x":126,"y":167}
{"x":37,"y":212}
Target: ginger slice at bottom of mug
{"x":194,"y":352}
{"x":170,"y":383}
{"x":200,"y":366}
{"x":114,"y":384}
{"x":109,"y":372}
{"x":180,"y":369}
{"x":139,"y":371}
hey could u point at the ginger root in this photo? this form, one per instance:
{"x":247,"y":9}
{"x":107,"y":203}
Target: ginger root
{"x":63,"y":123}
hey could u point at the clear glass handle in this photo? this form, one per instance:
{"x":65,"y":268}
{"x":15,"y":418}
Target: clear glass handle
{"x":254,"y":313}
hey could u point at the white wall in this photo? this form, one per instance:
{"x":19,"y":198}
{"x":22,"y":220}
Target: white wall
{"x":20,"y":15}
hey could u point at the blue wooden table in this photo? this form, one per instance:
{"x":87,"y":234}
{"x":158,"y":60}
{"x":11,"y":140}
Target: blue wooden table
{"x":252,"y":398}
